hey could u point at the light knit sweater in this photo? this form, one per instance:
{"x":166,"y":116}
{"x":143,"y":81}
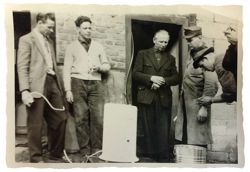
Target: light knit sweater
{"x":78,"y":62}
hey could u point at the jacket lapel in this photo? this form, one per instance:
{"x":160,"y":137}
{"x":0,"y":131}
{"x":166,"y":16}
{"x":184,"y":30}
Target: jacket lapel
{"x":37,"y":43}
{"x":40,"y":49}
{"x":151,"y":56}
{"x":163,"y":60}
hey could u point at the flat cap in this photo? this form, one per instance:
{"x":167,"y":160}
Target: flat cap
{"x":190,"y":32}
{"x":200,"y":55}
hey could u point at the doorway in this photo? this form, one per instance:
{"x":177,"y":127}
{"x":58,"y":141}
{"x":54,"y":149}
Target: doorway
{"x":22,"y":26}
{"x":142,"y":36}
{"x":139,"y":35}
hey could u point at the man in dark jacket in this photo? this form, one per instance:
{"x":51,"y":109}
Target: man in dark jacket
{"x":154,"y":72}
{"x":229,"y":62}
{"x":212,"y":62}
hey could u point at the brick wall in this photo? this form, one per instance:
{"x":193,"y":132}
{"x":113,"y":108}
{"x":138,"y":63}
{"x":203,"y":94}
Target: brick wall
{"x":224,"y":116}
{"x":110,"y":31}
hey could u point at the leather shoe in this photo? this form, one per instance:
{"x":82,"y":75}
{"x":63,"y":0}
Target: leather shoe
{"x":85,"y":151}
{"x":162,"y":160}
{"x":60,"y":159}
{"x":41,"y":162}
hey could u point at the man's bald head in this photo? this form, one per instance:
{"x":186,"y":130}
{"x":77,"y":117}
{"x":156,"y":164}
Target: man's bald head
{"x":160,"y":40}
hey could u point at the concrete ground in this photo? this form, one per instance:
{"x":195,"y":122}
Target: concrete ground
{"x":22,"y":154}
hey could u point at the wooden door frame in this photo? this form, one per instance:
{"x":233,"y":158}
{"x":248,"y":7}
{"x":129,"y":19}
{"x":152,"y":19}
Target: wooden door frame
{"x":183,"y":20}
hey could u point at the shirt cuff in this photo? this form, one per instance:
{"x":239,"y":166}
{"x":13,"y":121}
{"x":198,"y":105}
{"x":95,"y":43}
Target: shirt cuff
{"x":24,"y":90}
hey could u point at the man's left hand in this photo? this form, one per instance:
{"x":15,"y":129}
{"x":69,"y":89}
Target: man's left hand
{"x":205,"y":101}
{"x":231,"y":34}
{"x":94,"y":68}
{"x":202,"y":114}
{"x":104,"y":67}
{"x":155,"y":86}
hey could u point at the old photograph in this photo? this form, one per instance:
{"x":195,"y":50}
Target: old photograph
{"x":101,"y":86}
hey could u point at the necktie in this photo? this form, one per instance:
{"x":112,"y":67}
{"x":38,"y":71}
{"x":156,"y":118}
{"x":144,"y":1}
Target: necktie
{"x":46,"y":44}
{"x":48,"y":57}
{"x":158,"y":57}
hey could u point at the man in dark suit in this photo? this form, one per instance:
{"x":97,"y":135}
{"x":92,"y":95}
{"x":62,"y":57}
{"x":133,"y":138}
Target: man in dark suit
{"x":154,"y":72}
{"x":37,"y":72}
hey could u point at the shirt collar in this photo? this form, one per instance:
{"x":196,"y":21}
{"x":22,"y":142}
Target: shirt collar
{"x":157,"y":51}
{"x":83,"y":40}
{"x":41,"y":36}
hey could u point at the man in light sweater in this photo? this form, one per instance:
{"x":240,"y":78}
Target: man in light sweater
{"x":85,"y":61}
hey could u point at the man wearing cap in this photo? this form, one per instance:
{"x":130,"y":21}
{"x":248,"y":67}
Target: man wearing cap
{"x":212,"y":63}
{"x":229,"y":62}
{"x":193,"y":125}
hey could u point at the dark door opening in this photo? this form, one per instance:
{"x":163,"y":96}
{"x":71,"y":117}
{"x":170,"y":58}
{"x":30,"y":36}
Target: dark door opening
{"x":22,"y":26}
{"x":140,"y":30}
{"x":143,"y":32}
{"x":142,"y":38}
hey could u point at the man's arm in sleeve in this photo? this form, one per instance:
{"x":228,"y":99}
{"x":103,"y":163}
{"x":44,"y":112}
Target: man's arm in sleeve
{"x":68,"y":62}
{"x":210,"y":84}
{"x":138,"y":75}
{"x":23,"y":62}
{"x":105,"y":65}
{"x":174,"y":79}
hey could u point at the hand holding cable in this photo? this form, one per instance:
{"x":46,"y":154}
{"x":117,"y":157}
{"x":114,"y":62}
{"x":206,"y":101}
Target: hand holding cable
{"x":28,"y":99}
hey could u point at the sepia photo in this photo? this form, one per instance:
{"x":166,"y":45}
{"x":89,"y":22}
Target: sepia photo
{"x":124,"y":86}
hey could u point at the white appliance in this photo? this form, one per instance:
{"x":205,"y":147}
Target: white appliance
{"x":119,"y":133}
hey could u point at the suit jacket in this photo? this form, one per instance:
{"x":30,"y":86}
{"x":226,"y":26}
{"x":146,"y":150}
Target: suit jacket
{"x":31,"y":64}
{"x":145,"y":67}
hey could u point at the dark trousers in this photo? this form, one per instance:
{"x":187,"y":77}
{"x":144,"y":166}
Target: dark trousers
{"x":56,"y":121}
{"x":156,"y":121}
{"x":88,"y":112}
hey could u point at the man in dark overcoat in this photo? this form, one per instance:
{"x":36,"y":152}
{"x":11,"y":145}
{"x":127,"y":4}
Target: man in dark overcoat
{"x":155,"y":72}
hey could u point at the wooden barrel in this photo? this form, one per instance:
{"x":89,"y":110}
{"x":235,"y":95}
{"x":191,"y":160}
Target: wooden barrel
{"x":190,"y":154}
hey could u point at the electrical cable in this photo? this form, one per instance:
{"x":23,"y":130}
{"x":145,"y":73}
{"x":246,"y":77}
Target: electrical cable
{"x":66,"y":156}
{"x":57,"y":109}
{"x":92,"y":155}
{"x":129,"y":68}
{"x":63,"y":109}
